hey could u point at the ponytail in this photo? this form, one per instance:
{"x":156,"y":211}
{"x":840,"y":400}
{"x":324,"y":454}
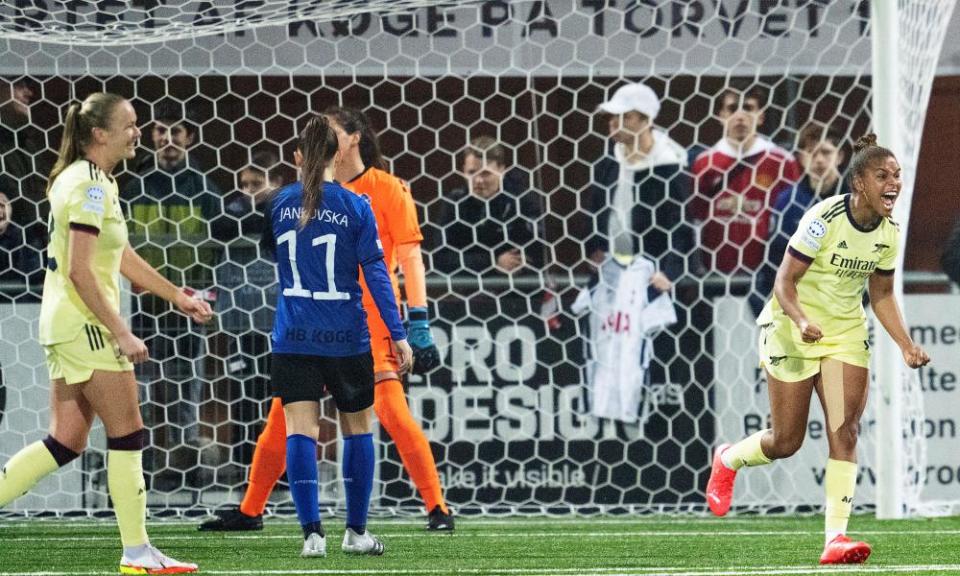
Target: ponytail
{"x":95,"y":112}
{"x":70,"y":146}
{"x":318,"y":144}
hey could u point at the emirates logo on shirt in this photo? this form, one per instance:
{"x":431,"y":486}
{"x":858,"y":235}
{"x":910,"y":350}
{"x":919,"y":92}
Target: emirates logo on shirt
{"x":852,"y":267}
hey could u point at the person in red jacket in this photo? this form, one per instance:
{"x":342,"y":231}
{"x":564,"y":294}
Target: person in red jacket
{"x":736,"y":183}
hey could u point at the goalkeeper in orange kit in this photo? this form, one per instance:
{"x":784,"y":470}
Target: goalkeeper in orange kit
{"x":362,"y":170}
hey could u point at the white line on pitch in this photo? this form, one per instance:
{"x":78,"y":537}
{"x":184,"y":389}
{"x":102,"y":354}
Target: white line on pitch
{"x":510,"y":535}
{"x":15,"y":522}
{"x":747,"y":571}
{"x":534,"y":571}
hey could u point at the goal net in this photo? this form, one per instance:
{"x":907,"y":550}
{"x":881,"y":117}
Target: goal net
{"x":534,"y":229}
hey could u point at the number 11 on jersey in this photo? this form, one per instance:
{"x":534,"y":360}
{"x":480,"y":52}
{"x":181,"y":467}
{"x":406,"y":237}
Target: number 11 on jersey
{"x":297,"y":289}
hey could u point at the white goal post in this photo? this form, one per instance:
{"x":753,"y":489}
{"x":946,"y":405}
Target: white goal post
{"x":906,"y":43}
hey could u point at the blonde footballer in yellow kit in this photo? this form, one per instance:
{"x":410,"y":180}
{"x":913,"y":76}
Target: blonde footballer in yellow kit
{"x":813,"y":337}
{"x":89,"y":347}
{"x":76,"y":343}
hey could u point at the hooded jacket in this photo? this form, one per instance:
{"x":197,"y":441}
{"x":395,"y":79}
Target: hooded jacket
{"x":640,"y":206}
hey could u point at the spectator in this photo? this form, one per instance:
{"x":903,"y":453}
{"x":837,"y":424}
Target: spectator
{"x":15,"y":99}
{"x":637,"y":195}
{"x":951,"y":255}
{"x":19,"y":253}
{"x":170,"y":204}
{"x":242,"y":209}
{"x":246,"y":295}
{"x":14,"y":114}
{"x":821,"y":154}
{"x":21,"y":181}
{"x":737,"y":181}
{"x":245,"y":281}
{"x":639,"y":188}
{"x":490,"y":224}
{"x":171,"y":201}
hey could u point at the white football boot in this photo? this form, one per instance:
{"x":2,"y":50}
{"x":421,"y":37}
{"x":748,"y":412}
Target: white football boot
{"x":149,"y":560}
{"x":315,"y":546}
{"x":365,"y":543}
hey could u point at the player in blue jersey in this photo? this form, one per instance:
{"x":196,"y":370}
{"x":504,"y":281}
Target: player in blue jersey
{"x":321,"y":236}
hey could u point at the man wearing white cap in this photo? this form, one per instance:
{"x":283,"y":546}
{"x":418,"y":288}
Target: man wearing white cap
{"x":638,"y":192}
{"x":640,"y":188}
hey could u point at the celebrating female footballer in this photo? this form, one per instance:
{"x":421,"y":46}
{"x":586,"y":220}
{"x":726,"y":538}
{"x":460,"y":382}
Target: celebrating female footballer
{"x":813,"y":336}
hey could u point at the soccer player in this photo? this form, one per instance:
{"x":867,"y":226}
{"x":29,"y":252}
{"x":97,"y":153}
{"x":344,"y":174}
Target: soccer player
{"x":322,"y":235}
{"x":361,"y":169}
{"x":90,"y":349}
{"x":813,"y":336}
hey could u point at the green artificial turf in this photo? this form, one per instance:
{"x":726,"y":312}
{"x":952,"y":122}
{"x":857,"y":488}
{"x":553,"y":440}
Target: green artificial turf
{"x":537,"y":546}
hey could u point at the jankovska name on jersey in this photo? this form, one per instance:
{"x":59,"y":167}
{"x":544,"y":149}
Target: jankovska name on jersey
{"x":319,"y":308}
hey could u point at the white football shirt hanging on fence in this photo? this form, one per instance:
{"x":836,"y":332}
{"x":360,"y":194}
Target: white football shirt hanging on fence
{"x":622,"y":322}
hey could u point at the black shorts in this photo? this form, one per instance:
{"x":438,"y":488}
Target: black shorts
{"x":302,"y":377}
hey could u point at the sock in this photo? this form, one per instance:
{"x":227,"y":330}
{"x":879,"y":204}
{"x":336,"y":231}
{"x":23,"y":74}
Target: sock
{"x":840,"y":483}
{"x":127,"y":488}
{"x":313,"y":528}
{"x":24,"y":470}
{"x":358,"y":464}
{"x":302,"y":476}
{"x":390,"y":404}
{"x":269,"y":462}
{"x":746,"y":452}
{"x":134,"y":553}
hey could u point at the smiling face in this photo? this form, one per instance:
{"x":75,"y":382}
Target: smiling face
{"x":121,"y":135}
{"x":880,"y":185}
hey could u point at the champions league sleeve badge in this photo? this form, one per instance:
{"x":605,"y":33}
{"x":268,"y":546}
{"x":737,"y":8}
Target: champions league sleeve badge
{"x":815,"y":230}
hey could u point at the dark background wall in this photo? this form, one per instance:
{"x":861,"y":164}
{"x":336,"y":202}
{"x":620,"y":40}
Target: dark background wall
{"x":936,"y":202}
